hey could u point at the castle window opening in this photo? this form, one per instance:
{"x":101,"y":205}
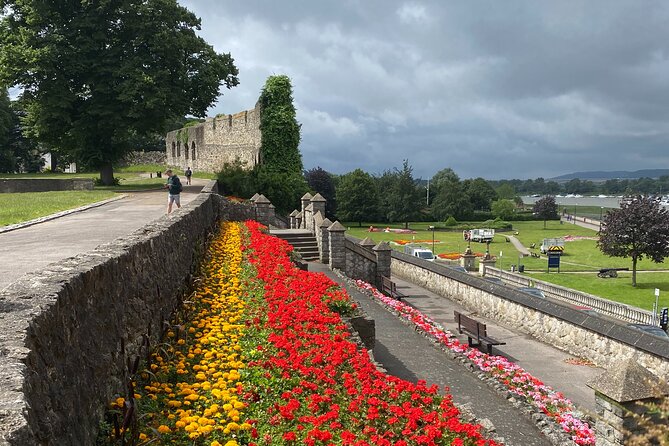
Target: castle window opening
{"x":179,"y":149}
{"x":186,"y":151}
{"x":192,"y":150}
{"x":174,"y":149}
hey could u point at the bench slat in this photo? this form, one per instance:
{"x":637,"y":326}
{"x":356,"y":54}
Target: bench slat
{"x":475,"y":330}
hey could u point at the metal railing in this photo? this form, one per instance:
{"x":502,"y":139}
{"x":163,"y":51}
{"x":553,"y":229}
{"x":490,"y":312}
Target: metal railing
{"x":603,"y":306}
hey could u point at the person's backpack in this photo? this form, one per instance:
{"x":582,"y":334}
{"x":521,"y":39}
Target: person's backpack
{"x":176,"y":183}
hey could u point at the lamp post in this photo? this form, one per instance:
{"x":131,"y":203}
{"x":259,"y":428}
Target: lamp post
{"x":574,"y":213}
{"x":601,"y":211}
{"x":432,"y":229}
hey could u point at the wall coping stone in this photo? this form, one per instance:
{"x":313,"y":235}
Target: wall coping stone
{"x":294,"y":213}
{"x":262,"y":200}
{"x":382,"y":246}
{"x":367,"y":242}
{"x":306,"y":196}
{"x":629,"y":382}
{"x":336,"y":227}
{"x":326,"y":223}
{"x":318,"y":197}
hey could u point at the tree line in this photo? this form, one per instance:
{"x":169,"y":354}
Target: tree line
{"x":614,"y":186}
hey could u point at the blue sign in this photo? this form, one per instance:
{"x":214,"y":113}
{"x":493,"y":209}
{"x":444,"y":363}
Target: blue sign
{"x":554,"y":260}
{"x":664,"y":318}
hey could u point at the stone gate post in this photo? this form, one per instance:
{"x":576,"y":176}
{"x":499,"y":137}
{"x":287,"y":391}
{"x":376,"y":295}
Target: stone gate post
{"x":325,"y":241}
{"x":306,"y":198}
{"x":337,"y":246}
{"x":617,"y":396}
{"x":383,"y":253}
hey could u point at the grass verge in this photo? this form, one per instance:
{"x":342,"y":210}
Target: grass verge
{"x":20,"y":207}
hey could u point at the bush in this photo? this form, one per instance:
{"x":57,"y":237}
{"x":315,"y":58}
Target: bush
{"x":451,"y":222}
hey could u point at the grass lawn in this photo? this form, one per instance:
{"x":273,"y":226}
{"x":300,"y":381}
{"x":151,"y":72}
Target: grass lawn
{"x":578,"y":266}
{"x":19,"y":207}
{"x":619,"y":289}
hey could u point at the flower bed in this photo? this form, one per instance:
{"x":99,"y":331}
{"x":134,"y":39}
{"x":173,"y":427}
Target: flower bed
{"x":457,"y":255}
{"x":505,"y":372}
{"x":406,"y":242}
{"x":260,"y":355}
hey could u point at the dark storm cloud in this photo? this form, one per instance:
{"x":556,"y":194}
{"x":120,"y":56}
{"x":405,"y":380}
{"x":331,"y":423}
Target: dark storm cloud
{"x":492,"y":89}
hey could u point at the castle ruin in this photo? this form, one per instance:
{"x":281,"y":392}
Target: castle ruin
{"x":206,"y":147}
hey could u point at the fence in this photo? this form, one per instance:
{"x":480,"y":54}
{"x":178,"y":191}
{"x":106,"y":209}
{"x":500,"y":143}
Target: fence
{"x":603,"y":306}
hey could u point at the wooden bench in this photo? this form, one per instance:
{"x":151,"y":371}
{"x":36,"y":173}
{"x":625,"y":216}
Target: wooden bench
{"x":475,"y":331}
{"x":389,"y":288}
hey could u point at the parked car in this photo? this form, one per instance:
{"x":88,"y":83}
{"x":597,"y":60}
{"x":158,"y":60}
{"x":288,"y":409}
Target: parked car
{"x":651,"y":329}
{"x":533,"y":291}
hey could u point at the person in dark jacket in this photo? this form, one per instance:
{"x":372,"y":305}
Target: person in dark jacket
{"x":174,"y":190}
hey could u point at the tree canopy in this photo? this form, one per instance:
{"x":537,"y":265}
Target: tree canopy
{"x":95,"y":75}
{"x":322,"y":182}
{"x":640,"y":228}
{"x":546,"y":208}
{"x":357,"y":196}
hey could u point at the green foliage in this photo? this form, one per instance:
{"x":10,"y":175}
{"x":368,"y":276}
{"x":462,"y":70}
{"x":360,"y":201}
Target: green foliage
{"x":235,"y":179}
{"x":283,"y":189}
{"x":280,"y":131}
{"x":503,"y":208}
{"x":640,"y":228}
{"x":545,"y":208}
{"x":96,"y":75}
{"x":401,"y":200}
{"x":451,"y":221}
{"x":357,"y":196}
{"x":322,"y":182}
{"x":480,"y":193}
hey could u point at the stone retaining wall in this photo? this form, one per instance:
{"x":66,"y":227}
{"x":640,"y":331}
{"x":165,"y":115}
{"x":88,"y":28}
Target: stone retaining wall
{"x":44,"y":184}
{"x":360,"y":262}
{"x":602,"y":341}
{"x":69,"y":332}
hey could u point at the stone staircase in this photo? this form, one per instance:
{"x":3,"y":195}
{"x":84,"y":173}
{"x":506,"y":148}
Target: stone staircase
{"x":303,"y":241}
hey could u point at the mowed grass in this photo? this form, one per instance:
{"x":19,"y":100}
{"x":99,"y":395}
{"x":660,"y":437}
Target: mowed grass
{"x":579,"y":264}
{"x":20,"y":207}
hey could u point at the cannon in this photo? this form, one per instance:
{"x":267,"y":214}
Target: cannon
{"x":605,"y":273}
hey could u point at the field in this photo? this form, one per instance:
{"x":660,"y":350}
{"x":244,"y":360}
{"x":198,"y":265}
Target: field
{"x":579,"y":264}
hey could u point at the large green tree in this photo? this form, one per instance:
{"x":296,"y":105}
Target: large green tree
{"x":357,"y":197}
{"x":96,"y":74}
{"x":403,"y":200}
{"x":279,"y":151}
{"x":545,"y":208}
{"x":321,"y":181}
{"x":640,"y":228}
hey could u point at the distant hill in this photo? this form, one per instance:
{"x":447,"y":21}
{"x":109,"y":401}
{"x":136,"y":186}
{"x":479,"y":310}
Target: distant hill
{"x":618,"y":174}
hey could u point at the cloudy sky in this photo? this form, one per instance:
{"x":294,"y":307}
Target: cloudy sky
{"x":497,"y":89}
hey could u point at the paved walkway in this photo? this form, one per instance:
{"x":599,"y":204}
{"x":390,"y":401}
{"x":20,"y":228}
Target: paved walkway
{"x":519,"y":246}
{"x":405,"y":353}
{"x":33,"y":247}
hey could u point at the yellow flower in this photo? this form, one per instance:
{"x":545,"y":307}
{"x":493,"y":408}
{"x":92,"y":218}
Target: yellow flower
{"x":163,"y":429}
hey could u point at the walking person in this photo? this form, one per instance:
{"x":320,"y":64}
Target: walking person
{"x":188,"y":173}
{"x":174,"y":190}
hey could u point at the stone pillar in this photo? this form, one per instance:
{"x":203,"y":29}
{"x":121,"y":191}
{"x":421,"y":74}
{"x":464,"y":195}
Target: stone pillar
{"x":367,"y":243}
{"x":485,"y":262}
{"x":293,"y":219}
{"x":271,"y":214}
{"x":254,"y":197}
{"x":318,"y":204}
{"x":306,"y":198}
{"x":383,"y":257}
{"x":468,"y":260}
{"x":618,"y":393}
{"x":308,"y":216}
{"x":325,"y":241}
{"x":298,"y":220}
{"x":337,"y":246}
{"x":262,"y":210}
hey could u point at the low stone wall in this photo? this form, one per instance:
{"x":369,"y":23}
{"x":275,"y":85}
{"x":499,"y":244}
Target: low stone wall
{"x":70,"y":331}
{"x":360,"y":262}
{"x":604,"y":342}
{"x":44,"y":184}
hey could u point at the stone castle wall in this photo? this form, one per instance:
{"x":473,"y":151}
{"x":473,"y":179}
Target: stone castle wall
{"x":208,"y":146}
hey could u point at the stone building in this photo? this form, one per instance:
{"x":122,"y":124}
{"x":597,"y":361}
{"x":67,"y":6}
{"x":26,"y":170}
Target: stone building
{"x":207,"y":146}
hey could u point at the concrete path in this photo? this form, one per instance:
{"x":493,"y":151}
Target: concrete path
{"x":33,"y":247}
{"x":582,"y":222}
{"x":519,"y":246}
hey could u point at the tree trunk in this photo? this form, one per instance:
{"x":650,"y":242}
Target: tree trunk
{"x":544,"y":224}
{"x":406,"y":225}
{"x":634,"y":271}
{"x":107,"y":174}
